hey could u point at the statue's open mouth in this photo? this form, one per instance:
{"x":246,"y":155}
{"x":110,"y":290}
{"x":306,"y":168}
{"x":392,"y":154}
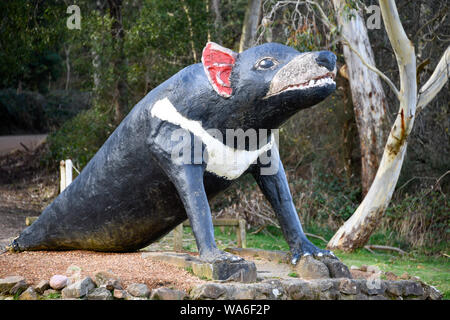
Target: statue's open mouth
{"x":325,"y":79}
{"x":316,"y":82}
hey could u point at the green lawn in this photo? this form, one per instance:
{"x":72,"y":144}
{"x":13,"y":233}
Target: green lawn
{"x":434,"y":270}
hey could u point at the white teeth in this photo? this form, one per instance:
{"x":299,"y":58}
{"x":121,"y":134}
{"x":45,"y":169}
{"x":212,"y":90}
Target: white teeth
{"x":312,"y":83}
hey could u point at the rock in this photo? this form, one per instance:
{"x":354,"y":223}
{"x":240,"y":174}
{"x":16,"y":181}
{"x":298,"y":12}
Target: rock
{"x":208,"y":291}
{"x":373,"y":269}
{"x":354,"y":268}
{"x":373,"y":286}
{"x":243,"y":271}
{"x":394,"y":288}
{"x":336,"y":268}
{"x":120,"y":294}
{"x":8,"y":283}
{"x":299,"y":290}
{"x":167,"y":294}
{"x":404,"y":276}
{"x":49,"y":292}
{"x":108,"y":280}
{"x":390,"y":276}
{"x":58,"y":281}
{"x":18,"y":288}
{"x":100,"y":294}
{"x":325,"y":289}
{"x":73,"y":272}
{"x":412,"y":288}
{"x":435,"y":294}
{"x":349,"y":287}
{"x":28,"y":294}
{"x":310,"y":268}
{"x":378,"y":297}
{"x":138,"y":290}
{"x":242,"y":292}
{"x":78,"y":289}
{"x":42,"y":286}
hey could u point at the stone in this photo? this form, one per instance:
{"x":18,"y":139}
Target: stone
{"x":242,"y":292}
{"x":299,"y":290}
{"x":73,"y":272}
{"x":390,"y":276}
{"x":404,"y":276}
{"x":373,"y":286}
{"x":310,"y":268}
{"x":373,"y":269}
{"x":348,"y":287}
{"x":167,"y":294}
{"x":434,"y":294}
{"x":18,"y":288}
{"x":8,"y":283}
{"x":107,"y":280}
{"x":138,"y":290}
{"x":50,"y":291}
{"x":208,"y":291}
{"x":42,"y":286}
{"x":242,"y":271}
{"x":412,"y":288}
{"x":28,"y":294}
{"x":336,"y":268}
{"x":395,"y":288}
{"x":100,"y":294}
{"x":378,"y":297}
{"x":354,"y":268}
{"x":58,"y":281}
{"x":78,"y":289}
{"x":120,"y":294}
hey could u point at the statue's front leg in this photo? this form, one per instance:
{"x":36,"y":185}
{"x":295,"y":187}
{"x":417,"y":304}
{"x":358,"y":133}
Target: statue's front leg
{"x":276,"y":189}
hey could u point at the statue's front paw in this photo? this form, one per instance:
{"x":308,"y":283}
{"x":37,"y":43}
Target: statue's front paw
{"x":308,"y":249}
{"x":214,"y":256}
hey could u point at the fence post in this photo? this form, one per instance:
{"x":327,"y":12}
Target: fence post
{"x":243,"y":233}
{"x":178,"y":238}
{"x":62,"y":171}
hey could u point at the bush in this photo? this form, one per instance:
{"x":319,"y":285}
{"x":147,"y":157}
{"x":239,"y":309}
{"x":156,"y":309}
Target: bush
{"x":80,"y":138}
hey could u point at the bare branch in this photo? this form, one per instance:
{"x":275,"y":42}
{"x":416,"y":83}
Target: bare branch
{"x":435,"y":83}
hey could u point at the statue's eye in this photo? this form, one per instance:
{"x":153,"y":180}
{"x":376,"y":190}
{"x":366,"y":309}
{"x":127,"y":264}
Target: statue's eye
{"x":266,"y":63}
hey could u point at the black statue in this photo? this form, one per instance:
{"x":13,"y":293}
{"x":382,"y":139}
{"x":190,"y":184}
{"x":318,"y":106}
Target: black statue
{"x":133,"y":191}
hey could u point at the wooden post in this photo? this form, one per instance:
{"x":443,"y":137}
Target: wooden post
{"x":69,"y":168}
{"x":178,"y":238}
{"x":62,"y":173}
{"x":243,"y":233}
{"x":65,"y":170}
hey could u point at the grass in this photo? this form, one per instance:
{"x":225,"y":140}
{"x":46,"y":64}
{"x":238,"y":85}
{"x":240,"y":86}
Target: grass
{"x":434,"y":270}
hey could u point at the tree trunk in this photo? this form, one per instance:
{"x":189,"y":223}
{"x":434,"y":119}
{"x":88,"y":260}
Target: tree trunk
{"x":251,"y":20}
{"x":369,"y":100}
{"x":215,"y":5}
{"x":120,"y":96}
{"x":357,"y":230}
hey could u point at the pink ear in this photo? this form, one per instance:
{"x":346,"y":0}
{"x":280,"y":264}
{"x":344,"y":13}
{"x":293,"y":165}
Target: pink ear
{"x":218,"y":63}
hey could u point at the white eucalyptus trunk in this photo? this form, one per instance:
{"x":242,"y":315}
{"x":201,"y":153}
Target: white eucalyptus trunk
{"x":369,"y":99}
{"x":357,"y":230}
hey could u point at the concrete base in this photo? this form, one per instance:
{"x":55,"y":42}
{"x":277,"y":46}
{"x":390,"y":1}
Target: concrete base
{"x":242,"y":271}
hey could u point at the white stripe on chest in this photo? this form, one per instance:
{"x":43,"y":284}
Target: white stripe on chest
{"x":223,"y":161}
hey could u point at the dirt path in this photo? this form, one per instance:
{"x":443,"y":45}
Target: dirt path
{"x":11,"y":143}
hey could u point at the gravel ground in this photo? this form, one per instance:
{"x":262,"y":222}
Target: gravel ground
{"x":128,"y":267}
{"x":25,"y":190}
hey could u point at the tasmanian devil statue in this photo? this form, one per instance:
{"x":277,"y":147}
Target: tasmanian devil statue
{"x":136,"y":188}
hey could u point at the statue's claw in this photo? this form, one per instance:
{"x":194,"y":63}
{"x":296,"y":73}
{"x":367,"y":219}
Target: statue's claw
{"x":220,"y":256}
{"x":308,"y":249}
